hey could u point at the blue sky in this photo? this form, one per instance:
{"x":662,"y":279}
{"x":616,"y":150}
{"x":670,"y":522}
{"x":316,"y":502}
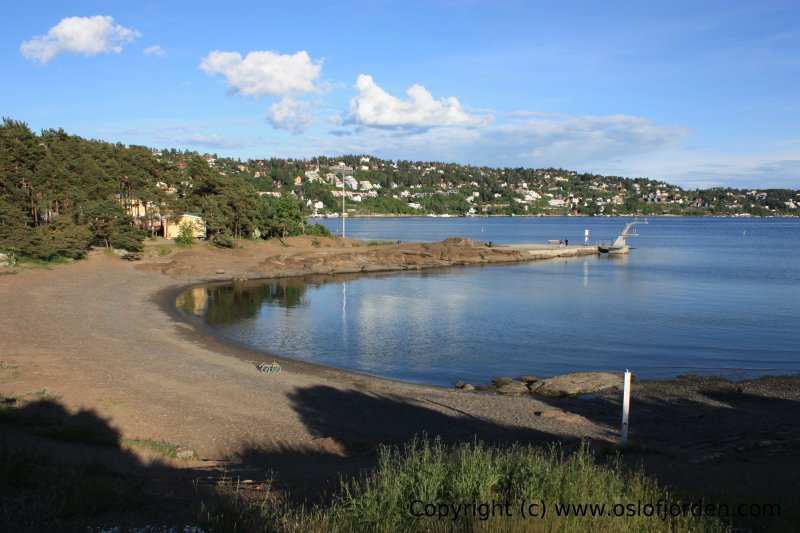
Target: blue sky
{"x":695,"y":93}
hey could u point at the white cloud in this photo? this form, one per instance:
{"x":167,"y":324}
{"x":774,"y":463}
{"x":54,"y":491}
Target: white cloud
{"x":78,"y":35}
{"x":264,"y":73}
{"x":375,"y":107}
{"x":155,"y":50}
{"x":536,"y":140}
{"x":290,"y":114}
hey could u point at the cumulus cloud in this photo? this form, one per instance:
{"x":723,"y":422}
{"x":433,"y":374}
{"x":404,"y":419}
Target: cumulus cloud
{"x":78,"y":35}
{"x":375,"y":107}
{"x":264,"y":73}
{"x":155,"y":50}
{"x":289,"y":114}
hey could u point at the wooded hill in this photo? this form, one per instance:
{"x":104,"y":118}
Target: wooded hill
{"x":60,"y":194}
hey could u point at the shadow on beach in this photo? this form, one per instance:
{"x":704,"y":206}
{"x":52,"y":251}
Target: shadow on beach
{"x":719,"y":441}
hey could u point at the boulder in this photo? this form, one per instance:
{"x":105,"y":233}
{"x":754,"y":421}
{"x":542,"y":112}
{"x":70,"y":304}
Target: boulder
{"x":468,"y":387}
{"x":512,"y":389}
{"x":578,"y":383}
{"x":528,"y":379}
{"x":502,"y":380}
{"x":459,"y":384}
{"x":535,"y":385}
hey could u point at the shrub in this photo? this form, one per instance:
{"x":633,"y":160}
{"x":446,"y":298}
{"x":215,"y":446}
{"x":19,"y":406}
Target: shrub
{"x":317,"y":230}
{"x":185,"y":234}
{"x":223,"y":240}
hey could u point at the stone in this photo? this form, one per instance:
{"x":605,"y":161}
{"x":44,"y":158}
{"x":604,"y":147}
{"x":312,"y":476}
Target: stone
{"x":514,"y":388}
{"x":528,"y":379}
{"x":185,"y":454}
{"x":564,"y":416}
{"x":220,"y":271}
{"x":468,"y":387}
{"x":578,"y":383}
{"x":535,"y":385}
{"x":459,"y":384}
{"x":502,"y":380}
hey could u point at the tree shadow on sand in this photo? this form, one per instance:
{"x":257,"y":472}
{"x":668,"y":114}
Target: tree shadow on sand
{"x":349,"y":426}
{"x":68,"y":471}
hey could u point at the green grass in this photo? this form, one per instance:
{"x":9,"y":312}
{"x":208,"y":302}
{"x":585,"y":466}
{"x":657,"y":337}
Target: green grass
{"x":163,"y":448}
{"x":473,"y":477}
{"x":380,"y":243}
{"x":33,"y":261}
{"x":44,"y":395}
{"x":8,"y":376}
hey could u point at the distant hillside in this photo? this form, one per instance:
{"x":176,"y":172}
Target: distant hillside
{"x":378,"y":186}
{"x":61,"y":194}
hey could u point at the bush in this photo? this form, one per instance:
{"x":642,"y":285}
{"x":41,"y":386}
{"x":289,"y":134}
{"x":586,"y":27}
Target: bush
{"x":317,"y":230}
{"x":223,"y":240}
{"x":185,"y":234}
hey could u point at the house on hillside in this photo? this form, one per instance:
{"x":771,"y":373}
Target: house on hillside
{"x":172,"y":227}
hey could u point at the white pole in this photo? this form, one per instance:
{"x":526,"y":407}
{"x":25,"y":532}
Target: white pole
{"x":343,"y":235}
{"x":586,"y":237}
{"x":626,"y":403}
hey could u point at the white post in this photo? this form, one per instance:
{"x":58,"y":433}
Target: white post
{"x":586,"y":237}
{"x":626,"y":403}
{"x":343,"y":212}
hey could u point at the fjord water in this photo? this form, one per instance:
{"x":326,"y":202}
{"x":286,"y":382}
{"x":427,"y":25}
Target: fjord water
{"x":695,"y":295}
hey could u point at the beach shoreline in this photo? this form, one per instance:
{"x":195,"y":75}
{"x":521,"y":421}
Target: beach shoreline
{"x":104,"y":335}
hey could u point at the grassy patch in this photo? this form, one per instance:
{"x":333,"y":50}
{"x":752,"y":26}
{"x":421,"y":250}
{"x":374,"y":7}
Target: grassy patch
{"x":491,"y":487}
{"x":44,"y":395}
{"x":380,"y":243}
{"x":163,"y":448}
{"x":33,"y":261}
{"x":8,"y":372}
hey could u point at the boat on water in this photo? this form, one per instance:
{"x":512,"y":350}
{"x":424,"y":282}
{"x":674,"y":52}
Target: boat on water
{"x":620,"y":245}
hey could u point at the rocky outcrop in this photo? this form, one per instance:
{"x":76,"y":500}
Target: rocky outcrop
{"x":578,"y":383}
{"x":303,"y":256}
{"x":555,"y":387}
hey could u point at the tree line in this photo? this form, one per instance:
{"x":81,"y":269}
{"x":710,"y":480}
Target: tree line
{"x":61,"y":194}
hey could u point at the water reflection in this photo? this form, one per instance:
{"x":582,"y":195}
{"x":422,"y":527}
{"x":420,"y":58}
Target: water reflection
{"x":675,"y":305}
{"x":226,"y":304}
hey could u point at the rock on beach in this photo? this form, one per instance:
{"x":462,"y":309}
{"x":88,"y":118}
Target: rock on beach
{"x":578,"y":383}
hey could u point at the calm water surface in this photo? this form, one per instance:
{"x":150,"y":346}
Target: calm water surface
{"x":708,"y":296}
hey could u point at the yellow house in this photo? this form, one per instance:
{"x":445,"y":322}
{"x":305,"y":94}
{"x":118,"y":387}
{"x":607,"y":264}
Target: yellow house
{"x":172,"y":227}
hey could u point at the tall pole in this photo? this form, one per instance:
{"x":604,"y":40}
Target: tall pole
{"x":343,"y":213}
{"x":626,"y":403}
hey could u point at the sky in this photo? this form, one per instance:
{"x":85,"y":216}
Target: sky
{"x":698,"y":94}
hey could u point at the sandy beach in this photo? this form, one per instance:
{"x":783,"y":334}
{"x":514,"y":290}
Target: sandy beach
{"x":103,"y":335}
